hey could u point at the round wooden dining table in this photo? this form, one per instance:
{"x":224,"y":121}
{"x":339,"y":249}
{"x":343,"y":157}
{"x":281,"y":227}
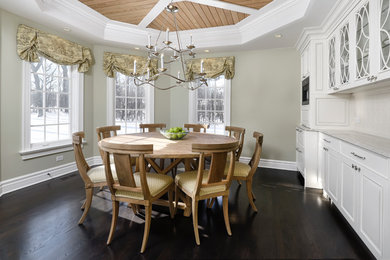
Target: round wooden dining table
{"x":163,"y":148}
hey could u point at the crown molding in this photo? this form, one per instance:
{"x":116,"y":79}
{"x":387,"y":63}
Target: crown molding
{"x":332,"y":20}
{"x":273,"y":16}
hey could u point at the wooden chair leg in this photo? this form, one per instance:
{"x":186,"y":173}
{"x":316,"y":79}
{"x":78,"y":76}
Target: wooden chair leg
{"x":83,"y":206}
{"x":253,"y":195}
{"x":249,"y":191}
{"x":171,"y":207}
{"x":148,"y":218}
{"x":225,"y":204}
{"x":134,"y":207}
{"x":195,"y":220}
{"x":210,"y":202}
{"x":101,"y":188}
{"x":239,"y":182}
{"x":162,"y":163}
{"x":88,"y":202}
{"x":176,"y":198}
{"x":115,"y":211}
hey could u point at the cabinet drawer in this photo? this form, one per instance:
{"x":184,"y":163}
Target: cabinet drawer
{"x":330,"y":142}
{"x":371,"y":160}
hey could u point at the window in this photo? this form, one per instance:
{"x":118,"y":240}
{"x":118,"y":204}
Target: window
{"x":129,"y":105}
{"x":211,"y":105}
{"x":52,"y":104}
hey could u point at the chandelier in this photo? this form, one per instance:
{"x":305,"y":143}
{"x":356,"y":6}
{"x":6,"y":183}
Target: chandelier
{"x":165,"y":50}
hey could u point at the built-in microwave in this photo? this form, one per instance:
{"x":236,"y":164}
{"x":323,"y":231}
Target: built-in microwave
{"x":305,"y":91}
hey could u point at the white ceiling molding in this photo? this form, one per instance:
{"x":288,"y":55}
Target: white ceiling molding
{"x":226,"y":5}
{"x":96,"y":27}
{"x":333,"y":18}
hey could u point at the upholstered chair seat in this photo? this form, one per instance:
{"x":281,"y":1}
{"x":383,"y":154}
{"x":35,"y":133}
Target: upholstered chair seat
{"x":187,"y":181}
{"x":156,"y":183}
{"x":240,"y":169}
{"x":97,"y":174}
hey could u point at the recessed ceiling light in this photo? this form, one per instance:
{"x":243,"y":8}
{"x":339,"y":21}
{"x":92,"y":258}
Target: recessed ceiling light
{"x":137,"y":48}
{"x":278,"y":35}
{"x":67,"y":29}
{"x":206,"y":50}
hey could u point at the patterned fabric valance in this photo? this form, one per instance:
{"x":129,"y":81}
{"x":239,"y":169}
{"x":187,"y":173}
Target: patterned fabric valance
{"x":31,"y":42}
{"x":213,"y":67}
{"x":124,"y":63}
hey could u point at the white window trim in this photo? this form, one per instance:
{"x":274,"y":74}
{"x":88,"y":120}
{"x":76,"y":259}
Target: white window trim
{"x":149,"y":109}
{"x":76,"y":117}
{"x":227,"y":103}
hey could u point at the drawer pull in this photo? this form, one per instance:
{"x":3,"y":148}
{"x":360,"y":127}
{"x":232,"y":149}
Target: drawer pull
{"x":299,"y":151}
{"x":325,"y":149}
{"x":358,"y":156}
{"x":327,"y":141}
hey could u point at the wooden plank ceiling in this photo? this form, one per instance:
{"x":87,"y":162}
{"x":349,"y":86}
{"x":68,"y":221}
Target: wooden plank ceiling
{"x":257,"y":4}
{"x":195,"y":16}
{"x":190,"y":16}
{"x":127,"y":11}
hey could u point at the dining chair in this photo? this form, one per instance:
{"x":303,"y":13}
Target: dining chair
{"x":206,"y":184}
{"x":238,"y":133}
{"x":152,"y":127}
{"x":245,"y":172}
{"x":196,"y":127}
{"x":140,"y":188}
{"x":92,"y":177}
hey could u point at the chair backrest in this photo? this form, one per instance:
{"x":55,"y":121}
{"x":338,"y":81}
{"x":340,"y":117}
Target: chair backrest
{"x":105,"y":132}
{"x":238,"y":133}
{"x":220,"y":154}
{"x":122,"y":154}
{"x":82,"y":165}
{"x":152,"y":127}
{"x":254,"y":162}
{"x":196,"y":127}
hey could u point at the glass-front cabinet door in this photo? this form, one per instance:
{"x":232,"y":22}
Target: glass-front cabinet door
{"x":332,"y":62}
{"x":344,"y":55}
{"x":384,"y":35}
{"x":362,"y":41}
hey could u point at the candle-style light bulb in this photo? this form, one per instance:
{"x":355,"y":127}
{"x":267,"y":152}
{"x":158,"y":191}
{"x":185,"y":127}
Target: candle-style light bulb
{"x":148,"y":73}
{"x":162,"y":61}
{"x":149,"y":40}
{"x":191,"y":39}
{"x":135,"y":67}
{"x":174,"y":54}
{"x":167,"y":35}
{"x":178,"y":74}
{"x":201,"y":66}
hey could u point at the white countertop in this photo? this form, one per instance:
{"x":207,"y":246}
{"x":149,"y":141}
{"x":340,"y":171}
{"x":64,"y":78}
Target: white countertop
{"x":372,"y":143}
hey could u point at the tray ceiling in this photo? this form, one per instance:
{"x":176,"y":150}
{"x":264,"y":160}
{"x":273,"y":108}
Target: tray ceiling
{"x":196,"y":16}
{"x":192,"y":14}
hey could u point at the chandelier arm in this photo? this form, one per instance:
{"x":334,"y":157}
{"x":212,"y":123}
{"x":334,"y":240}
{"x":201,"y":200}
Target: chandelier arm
{"x":179,"y":44}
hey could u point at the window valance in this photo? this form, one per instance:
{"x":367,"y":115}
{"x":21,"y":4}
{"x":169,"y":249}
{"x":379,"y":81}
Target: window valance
{"x":31,"y":42}
{"x":124,"y":63}
{"x":213,"y":67}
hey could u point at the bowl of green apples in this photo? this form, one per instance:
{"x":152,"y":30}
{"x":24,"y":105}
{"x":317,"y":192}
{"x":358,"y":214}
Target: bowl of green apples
{"x":174,"y":133}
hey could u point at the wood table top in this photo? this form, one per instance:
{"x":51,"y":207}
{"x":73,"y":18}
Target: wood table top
{"x":165,"y":148}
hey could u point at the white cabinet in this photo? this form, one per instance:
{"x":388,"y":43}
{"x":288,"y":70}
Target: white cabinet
{"x":349,"y":178}
{"x":305,"y":63}
{"x":373,"y":196}
{"x":359,"y":48}
{"x":357,"y":181}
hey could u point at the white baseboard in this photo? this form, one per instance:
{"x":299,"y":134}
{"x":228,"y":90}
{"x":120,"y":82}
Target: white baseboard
{"x":17,"y":183}
{"x":24,"y":181}
{"x":274,"y":164}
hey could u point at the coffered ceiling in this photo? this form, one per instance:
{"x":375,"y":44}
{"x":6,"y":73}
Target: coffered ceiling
{"x":193,"y":14}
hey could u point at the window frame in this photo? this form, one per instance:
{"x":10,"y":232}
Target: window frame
{"x":76,"y":96}
{"x":192,"y":106}
{"x":149,"y":100}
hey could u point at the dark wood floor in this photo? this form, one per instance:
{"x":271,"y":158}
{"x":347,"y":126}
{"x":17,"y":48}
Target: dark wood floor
{"x":40,"y":222}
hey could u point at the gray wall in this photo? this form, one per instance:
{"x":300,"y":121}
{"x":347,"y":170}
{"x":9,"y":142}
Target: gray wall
{"x":11,"y":104}
{"x":265,"y":98}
